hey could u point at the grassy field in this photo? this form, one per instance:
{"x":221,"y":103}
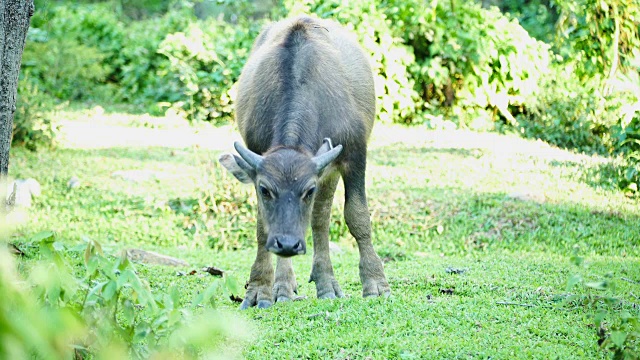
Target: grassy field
{"x":477,"y":232}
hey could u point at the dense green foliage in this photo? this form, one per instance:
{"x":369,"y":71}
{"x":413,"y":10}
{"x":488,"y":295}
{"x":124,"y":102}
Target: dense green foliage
{"x":592,"y":102}
{"x":176,"y":60}
{"x":33,"y":124}
{"x":102,"y":308}
{"x":438,"y":63}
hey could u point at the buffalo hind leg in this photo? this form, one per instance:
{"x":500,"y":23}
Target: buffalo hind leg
{"x":261,"y":279}
{"x":356,"y":214}
{"x":322,"y":271}
{"x":285,"y":285}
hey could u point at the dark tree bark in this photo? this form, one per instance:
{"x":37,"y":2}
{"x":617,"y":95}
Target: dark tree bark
{"x":15,"y":16}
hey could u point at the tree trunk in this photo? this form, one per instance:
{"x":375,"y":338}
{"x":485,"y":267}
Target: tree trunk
{"x":14,"y":23}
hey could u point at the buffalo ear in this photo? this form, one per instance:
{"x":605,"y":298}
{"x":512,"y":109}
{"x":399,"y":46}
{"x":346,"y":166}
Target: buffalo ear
{"x":238,"y":167}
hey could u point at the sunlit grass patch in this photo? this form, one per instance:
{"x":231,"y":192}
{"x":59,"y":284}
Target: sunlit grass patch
{"x":477,"y":232}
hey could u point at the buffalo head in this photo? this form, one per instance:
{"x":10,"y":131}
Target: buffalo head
{"x":285,"y":180}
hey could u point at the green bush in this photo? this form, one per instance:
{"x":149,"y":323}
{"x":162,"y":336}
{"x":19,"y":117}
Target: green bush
{"x":70,"y":50}
{"x":65,"y":68}
{"x":461,"y":59}
{"x":204,"y":61}
{"x":599,"y":38}
{"x":142,"y":68}
{"x":628,"y":142}
{"x":80,"y":303}
{"x":32,"y":123}
{"x":569,"y":114}
{"x":471,"y":58}
{"x":538,"y":17}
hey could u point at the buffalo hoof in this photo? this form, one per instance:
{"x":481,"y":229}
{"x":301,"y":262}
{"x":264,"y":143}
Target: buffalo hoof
{"x":262,"y":304}
{"x":256,"y":297}
{"x":329,"y":289}
{"x":375,"y":288}
{"x":285,"y":291}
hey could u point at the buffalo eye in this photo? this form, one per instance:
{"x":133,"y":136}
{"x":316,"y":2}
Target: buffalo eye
{"x":265,"y":192}
{"x":310,"y":193}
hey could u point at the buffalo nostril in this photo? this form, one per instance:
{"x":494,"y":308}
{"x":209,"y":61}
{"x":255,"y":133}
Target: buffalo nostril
{"x":278,"y":244}
{"x":297,"y":246}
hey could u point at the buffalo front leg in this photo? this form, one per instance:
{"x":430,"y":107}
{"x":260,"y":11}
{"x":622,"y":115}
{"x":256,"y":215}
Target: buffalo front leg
{"x":322,"y":271}
{"x":285,"y":285}
{"x":261,"y":278}
{"x":356,"y":214}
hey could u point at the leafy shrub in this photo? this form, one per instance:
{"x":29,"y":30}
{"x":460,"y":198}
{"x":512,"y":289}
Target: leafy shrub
{"x":616,"y":322}
{"x":106,"y":312}
{"x":141,"y":9}
{"x":32,"y":125}
{"x":538,"y":17}
{"x":628,"y":141}
{"x":599,"y":37}
{"x":465,"y":58}
{"x":205,"y":60}
{"x":591,"y":100}
{"x":82,"y":41}
{"x":471,"y":58}
{"x":142,"y":67}
{"x":65,"y":68}
{"x":569,"y":114}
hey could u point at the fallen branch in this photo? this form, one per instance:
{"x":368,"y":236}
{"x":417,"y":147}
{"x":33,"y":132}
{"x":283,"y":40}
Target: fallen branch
{"x":514,"y":304}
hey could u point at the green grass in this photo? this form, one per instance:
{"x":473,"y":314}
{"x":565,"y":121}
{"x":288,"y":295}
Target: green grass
{"x":438,"y":199}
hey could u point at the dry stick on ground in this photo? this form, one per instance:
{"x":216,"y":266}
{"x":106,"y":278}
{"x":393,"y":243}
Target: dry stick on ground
{"x":631,"y":281}
{"x":514,"y":304}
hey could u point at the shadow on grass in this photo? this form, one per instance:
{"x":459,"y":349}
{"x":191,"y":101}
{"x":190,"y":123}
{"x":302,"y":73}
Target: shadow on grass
{"x":411,"y":215}
{"x":458,"y":223}
{"x":395,"y":155}
{"x":185,"y":156}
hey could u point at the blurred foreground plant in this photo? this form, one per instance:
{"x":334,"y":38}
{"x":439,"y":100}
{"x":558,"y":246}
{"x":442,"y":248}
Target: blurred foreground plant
{"x":108,"y":312}
{"x":616,"y":321}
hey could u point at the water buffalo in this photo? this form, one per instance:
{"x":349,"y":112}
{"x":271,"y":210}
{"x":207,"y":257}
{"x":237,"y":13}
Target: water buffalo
{"x":306,"y":86}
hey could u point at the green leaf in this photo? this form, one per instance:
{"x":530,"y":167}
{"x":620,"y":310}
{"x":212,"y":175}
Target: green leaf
{"x":630,"y":173}
{"x":123,"y":262}
{"x":197,"y":299}
{"x":94,"y":290}
{"x":174,"y":317}
{"x":46,"y":236}
{"x":109,"y":290}
{"x":599,"y":317}
{"x":598,"y":285}
{"x":625,"y":316}
{"x":128,"y":311}
{"x":618,"y":338}
{"x":573,"y":281}
{"x":175,"y":297}
{"x":58,"y":246}
{"x":87,"y":256}
{"x":162,"y":319}
{"x":127,"y":278}
{"x":577,"y":260}
{"x":142,"y":331}
{"x":232,"y":284}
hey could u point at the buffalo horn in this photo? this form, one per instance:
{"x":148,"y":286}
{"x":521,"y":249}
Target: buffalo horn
{"x":325,"y":159}
{"x":249,"y":156}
